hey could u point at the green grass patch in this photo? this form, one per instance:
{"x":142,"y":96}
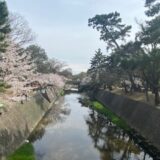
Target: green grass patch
{"x":112,"y":116}
{"x":25,"y":152}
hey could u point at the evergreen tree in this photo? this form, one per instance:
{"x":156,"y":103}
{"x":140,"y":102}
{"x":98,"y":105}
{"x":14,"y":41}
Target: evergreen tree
{"x":4,"y":25}
{"x":150,"y":37}
{"x":39,"y":55}
{"x":111,"y":28}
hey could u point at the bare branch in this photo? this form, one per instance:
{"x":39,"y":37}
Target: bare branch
{"x":21,"y":33}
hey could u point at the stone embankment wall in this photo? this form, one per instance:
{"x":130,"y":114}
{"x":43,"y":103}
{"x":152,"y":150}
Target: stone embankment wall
{"x":17,"y":123}
{"x":142,"y":117}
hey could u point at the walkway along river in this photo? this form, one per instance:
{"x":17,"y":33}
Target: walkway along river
{"x":80,"y":133}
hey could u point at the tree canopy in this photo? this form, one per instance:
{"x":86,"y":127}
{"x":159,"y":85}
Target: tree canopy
{"x":4,"y":26}
{"x":110,"y":27}
{"x":39,"y":56}
{"x":136,"y":63}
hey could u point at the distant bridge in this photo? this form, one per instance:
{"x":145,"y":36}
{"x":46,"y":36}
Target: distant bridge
{"x":72,"y":86}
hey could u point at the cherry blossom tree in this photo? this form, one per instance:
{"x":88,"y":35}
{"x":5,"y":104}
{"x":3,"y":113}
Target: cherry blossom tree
{"x":19,"y":71}
{"x":16,"y":68}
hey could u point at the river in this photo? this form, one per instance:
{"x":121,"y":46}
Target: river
{"x":75,"y":132}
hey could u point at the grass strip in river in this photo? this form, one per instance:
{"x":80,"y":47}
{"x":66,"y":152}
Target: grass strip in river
{"x":25,"y":152}
{"x":112,"y":116}
{"x":119,"y":122}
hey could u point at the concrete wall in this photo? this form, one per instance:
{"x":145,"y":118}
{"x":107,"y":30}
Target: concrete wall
{"x":142,"y":117}
{"x":17,"y":123}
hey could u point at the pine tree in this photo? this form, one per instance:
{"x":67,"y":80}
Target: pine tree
{"x":4,"y":25}
{"x":111,"y":28}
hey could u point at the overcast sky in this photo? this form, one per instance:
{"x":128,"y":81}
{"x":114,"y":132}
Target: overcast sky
{"x":62,"y":25}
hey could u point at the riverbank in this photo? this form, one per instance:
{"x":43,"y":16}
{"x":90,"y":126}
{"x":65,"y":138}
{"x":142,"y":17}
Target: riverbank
{"x":140,"y":116}
{"x":17,"y":123}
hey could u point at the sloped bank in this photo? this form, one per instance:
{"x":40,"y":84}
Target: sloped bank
{"x":17,"y":123}
{"x":142,"y":117}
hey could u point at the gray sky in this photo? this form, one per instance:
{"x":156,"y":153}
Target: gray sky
{"x":62,"y":25}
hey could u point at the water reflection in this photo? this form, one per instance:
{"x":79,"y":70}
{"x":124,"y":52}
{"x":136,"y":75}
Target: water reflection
{"x":73,"y":132}
{"x":111,"y":142}
{"x":57,"y":114}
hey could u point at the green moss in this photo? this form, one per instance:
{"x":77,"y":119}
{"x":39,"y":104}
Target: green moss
{"x":112,"y":116}
{"x":25,"y":152}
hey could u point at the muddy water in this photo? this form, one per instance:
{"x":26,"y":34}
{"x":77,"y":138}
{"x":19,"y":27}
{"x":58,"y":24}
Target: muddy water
{"x":79,"y":133}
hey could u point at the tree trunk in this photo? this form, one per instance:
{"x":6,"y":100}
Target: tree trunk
{"x":146,"y":91}
{"x":157,"y":98}
{"x":133,"y":86}
{"x":125,"y":87}
{"x":110,"y":87}
{"x":113,"y":39}
{"x":147,"y":96}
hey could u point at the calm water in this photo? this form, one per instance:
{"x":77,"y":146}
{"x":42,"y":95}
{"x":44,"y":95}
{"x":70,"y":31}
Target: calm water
{"x":74,"y":132}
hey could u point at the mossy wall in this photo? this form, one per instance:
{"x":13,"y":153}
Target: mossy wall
{"x":19,"y":121}
{"x":142,"y":117}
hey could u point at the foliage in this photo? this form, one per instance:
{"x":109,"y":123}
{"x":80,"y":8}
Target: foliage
{"x":135,"y":63}
{"x":66,"y":73}
{"x":110,"y":27}
{"x":24,"y":70}
{"x":19,"y":69}
{"x":39,"y":56}
{"x":153,"y":7}
{"x":81,"y":77}
{"x":44,"y":64}
{"x":101,"y":71}
{"x":4,"y":26}
{"x":97,"y":63}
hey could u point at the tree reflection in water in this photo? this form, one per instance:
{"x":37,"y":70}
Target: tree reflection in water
{"x":111,"y":141}
{"x":57,"y":114}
